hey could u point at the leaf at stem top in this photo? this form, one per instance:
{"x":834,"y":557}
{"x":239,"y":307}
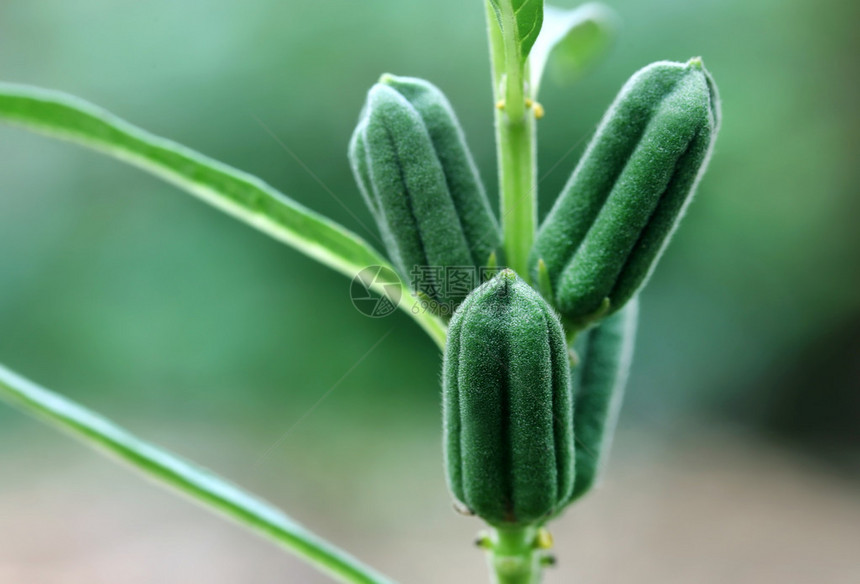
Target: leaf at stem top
{"x":575,"y":39}
{"x":526,"y":18}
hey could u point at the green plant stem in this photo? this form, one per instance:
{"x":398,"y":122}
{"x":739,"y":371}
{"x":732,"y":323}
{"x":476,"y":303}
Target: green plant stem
{"x":515,"y":143}
{"x":514,"y":74}
{"x":514,"y":557}
{"x":168,"y":470}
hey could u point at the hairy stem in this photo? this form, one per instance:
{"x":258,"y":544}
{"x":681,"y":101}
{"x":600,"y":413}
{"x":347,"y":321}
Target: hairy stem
{"x":515,"y":142}
{"x":515,"y":557}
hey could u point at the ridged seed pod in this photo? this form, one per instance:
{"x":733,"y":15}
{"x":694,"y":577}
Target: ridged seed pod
{"x":611,"y":222}
{"x":605,"y":353}
{"x":416,"y":174}
{"x":507,"y":405}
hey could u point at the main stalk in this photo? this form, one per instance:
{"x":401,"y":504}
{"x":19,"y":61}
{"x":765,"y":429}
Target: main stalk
{"x":515,"y":141}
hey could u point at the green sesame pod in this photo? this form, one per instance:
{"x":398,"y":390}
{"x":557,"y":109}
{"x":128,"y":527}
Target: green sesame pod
{"x":464,"y":183}
{"x":605,"y":352}
{"x":358,"y":160}
{"x":416,"y":215}
{"x":417,"y":176}
{"x":508,"y":407}
{"x":610,"y":224}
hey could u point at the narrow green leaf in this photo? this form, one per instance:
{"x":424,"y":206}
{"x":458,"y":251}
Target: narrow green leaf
{"x":522,"y":19}
{"x":235,"y":192}
{"x":572,"y":40}
{"x":168,"y":470}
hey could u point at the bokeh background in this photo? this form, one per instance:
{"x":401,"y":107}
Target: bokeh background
{"x":738,"y":456}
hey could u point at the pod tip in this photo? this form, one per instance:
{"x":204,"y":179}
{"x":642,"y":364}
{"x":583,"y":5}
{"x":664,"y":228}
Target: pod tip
{"x":508,"y":274}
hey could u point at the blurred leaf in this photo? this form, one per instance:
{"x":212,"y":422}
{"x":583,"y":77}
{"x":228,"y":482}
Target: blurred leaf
{"x":526,"y":17}
{"x":237,"y":193}
{"x":572,"y":40}
{"x":168,"y":470}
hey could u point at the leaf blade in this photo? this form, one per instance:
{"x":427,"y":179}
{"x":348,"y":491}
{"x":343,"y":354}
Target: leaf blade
{"x":529,"y":16}
{"x":237,"y":193}
{"x":168,"y":470}
{"x":525,"y":17}
{"x":574,"y":39}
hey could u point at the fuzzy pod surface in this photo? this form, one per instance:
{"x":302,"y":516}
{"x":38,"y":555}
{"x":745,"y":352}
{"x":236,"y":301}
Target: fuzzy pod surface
{"x":508,"y":409}
{"x":417,"y":176}
{"x":605,"y":354}
{"x":615,"y":215}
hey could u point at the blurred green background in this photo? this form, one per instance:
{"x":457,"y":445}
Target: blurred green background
{"x":742,"y":420}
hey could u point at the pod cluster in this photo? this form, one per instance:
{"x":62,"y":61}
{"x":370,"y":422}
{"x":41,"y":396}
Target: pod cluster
{"x":610,"y":224}
{"x":416,"y":174}
{"x":526,"y":434}
{"x":508,"y":410}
